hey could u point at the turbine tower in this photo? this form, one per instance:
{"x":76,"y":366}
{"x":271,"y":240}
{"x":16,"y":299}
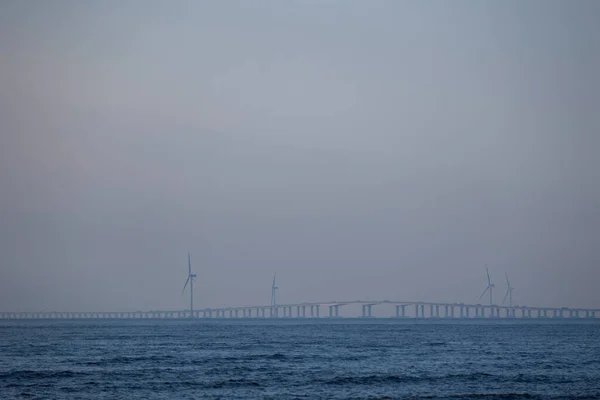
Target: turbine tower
{"x":509,"y":291}
{"x":273,"y":289}
{"x":489,"y":287}
{"x":190,"y":279}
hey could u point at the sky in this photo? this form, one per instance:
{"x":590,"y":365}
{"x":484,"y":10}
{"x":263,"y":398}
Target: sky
{"x":360,"y":149}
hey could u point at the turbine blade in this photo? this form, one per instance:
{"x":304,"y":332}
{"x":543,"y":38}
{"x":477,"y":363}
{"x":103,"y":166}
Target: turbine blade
{"x":189,"y":264}
{"x":484,"y":292}
{"x":505,"y":296}
{"x":186,"y":282}
{"x":488,"y":274}
{"x":274,"y":276}
{"x":507,"y":282}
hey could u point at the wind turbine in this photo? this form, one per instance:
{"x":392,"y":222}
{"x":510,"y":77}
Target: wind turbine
{"x":489,"y":287}
{"x":190,"y":279}
{"x":509,"y":291}
{"x":273,"y":289}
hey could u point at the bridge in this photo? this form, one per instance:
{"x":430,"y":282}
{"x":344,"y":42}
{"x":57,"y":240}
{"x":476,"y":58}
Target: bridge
{"x":410,"y":310}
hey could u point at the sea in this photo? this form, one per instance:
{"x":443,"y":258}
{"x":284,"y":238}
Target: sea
{"x":295,"y":359}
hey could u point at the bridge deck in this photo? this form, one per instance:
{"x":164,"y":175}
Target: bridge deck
{"x":403,"y":309}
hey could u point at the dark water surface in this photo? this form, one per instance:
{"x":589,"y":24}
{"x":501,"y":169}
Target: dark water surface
{"x":341,"y":360}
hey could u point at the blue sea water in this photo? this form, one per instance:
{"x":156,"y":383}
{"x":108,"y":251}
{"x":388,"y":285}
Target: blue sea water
{"x":298,"y":360}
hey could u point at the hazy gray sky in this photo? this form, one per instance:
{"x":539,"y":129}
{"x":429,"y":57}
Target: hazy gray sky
{"x":367,"y":149}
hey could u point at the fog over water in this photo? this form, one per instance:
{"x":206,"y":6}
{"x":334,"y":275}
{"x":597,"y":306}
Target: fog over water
{"x":362,"y":150}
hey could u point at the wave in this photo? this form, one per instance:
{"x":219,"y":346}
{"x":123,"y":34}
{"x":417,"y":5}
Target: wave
{"x":509,"y":396}
{"x":29,"y":374}
{"x":382,"y":379}
{"x":370,"y":379}
{"x":503,"y":396}
{"x":250,"y":357}
{"x":233,"y":383}
{"x":220,"y":384}
{"x":118,"y":360}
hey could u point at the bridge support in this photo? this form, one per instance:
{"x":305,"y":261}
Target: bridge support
{"x":403,"y":307}
{"x":314,"y":311}
{"x":334,"y":311}
{"x":366,"y":311}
